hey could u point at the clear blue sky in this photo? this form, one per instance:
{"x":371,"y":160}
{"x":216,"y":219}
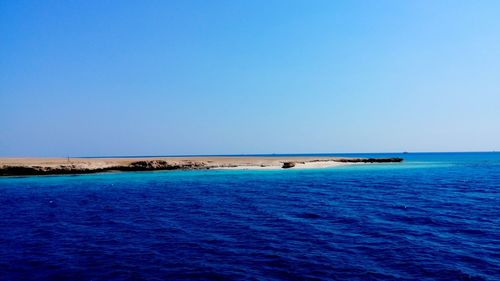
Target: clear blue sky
{"x":88,"y":78}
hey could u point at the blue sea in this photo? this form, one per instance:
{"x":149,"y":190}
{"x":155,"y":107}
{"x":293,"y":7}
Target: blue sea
{"x":436,"y":216}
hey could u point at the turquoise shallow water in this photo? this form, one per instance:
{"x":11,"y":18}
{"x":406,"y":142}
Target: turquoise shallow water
{"x":434,"y":217}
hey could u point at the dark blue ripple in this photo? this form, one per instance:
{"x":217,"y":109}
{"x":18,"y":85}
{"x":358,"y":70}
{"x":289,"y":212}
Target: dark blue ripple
{"x":430,"y":218}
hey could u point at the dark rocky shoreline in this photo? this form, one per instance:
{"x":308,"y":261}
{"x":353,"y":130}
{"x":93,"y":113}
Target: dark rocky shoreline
{"x":152,"y":165}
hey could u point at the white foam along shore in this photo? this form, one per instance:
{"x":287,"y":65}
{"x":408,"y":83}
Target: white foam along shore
{"x":299,"y":165}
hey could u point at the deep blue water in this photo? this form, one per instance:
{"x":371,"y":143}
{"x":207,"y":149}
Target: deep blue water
{"x":433,"y":217}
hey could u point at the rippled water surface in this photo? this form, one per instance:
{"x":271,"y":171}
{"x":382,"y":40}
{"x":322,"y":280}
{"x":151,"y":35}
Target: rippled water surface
{"x":433,"y":217}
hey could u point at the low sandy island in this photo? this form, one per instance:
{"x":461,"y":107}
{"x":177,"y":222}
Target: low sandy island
{"x":51,"y":166}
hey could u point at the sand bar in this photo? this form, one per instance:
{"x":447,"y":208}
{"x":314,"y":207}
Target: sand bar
{"x":47,"y":166}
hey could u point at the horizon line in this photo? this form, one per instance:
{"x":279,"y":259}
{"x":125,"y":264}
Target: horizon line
{"x":253,"y":154}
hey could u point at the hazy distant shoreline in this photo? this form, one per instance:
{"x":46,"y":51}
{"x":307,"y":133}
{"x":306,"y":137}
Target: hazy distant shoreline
{"x":54,"y":166}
